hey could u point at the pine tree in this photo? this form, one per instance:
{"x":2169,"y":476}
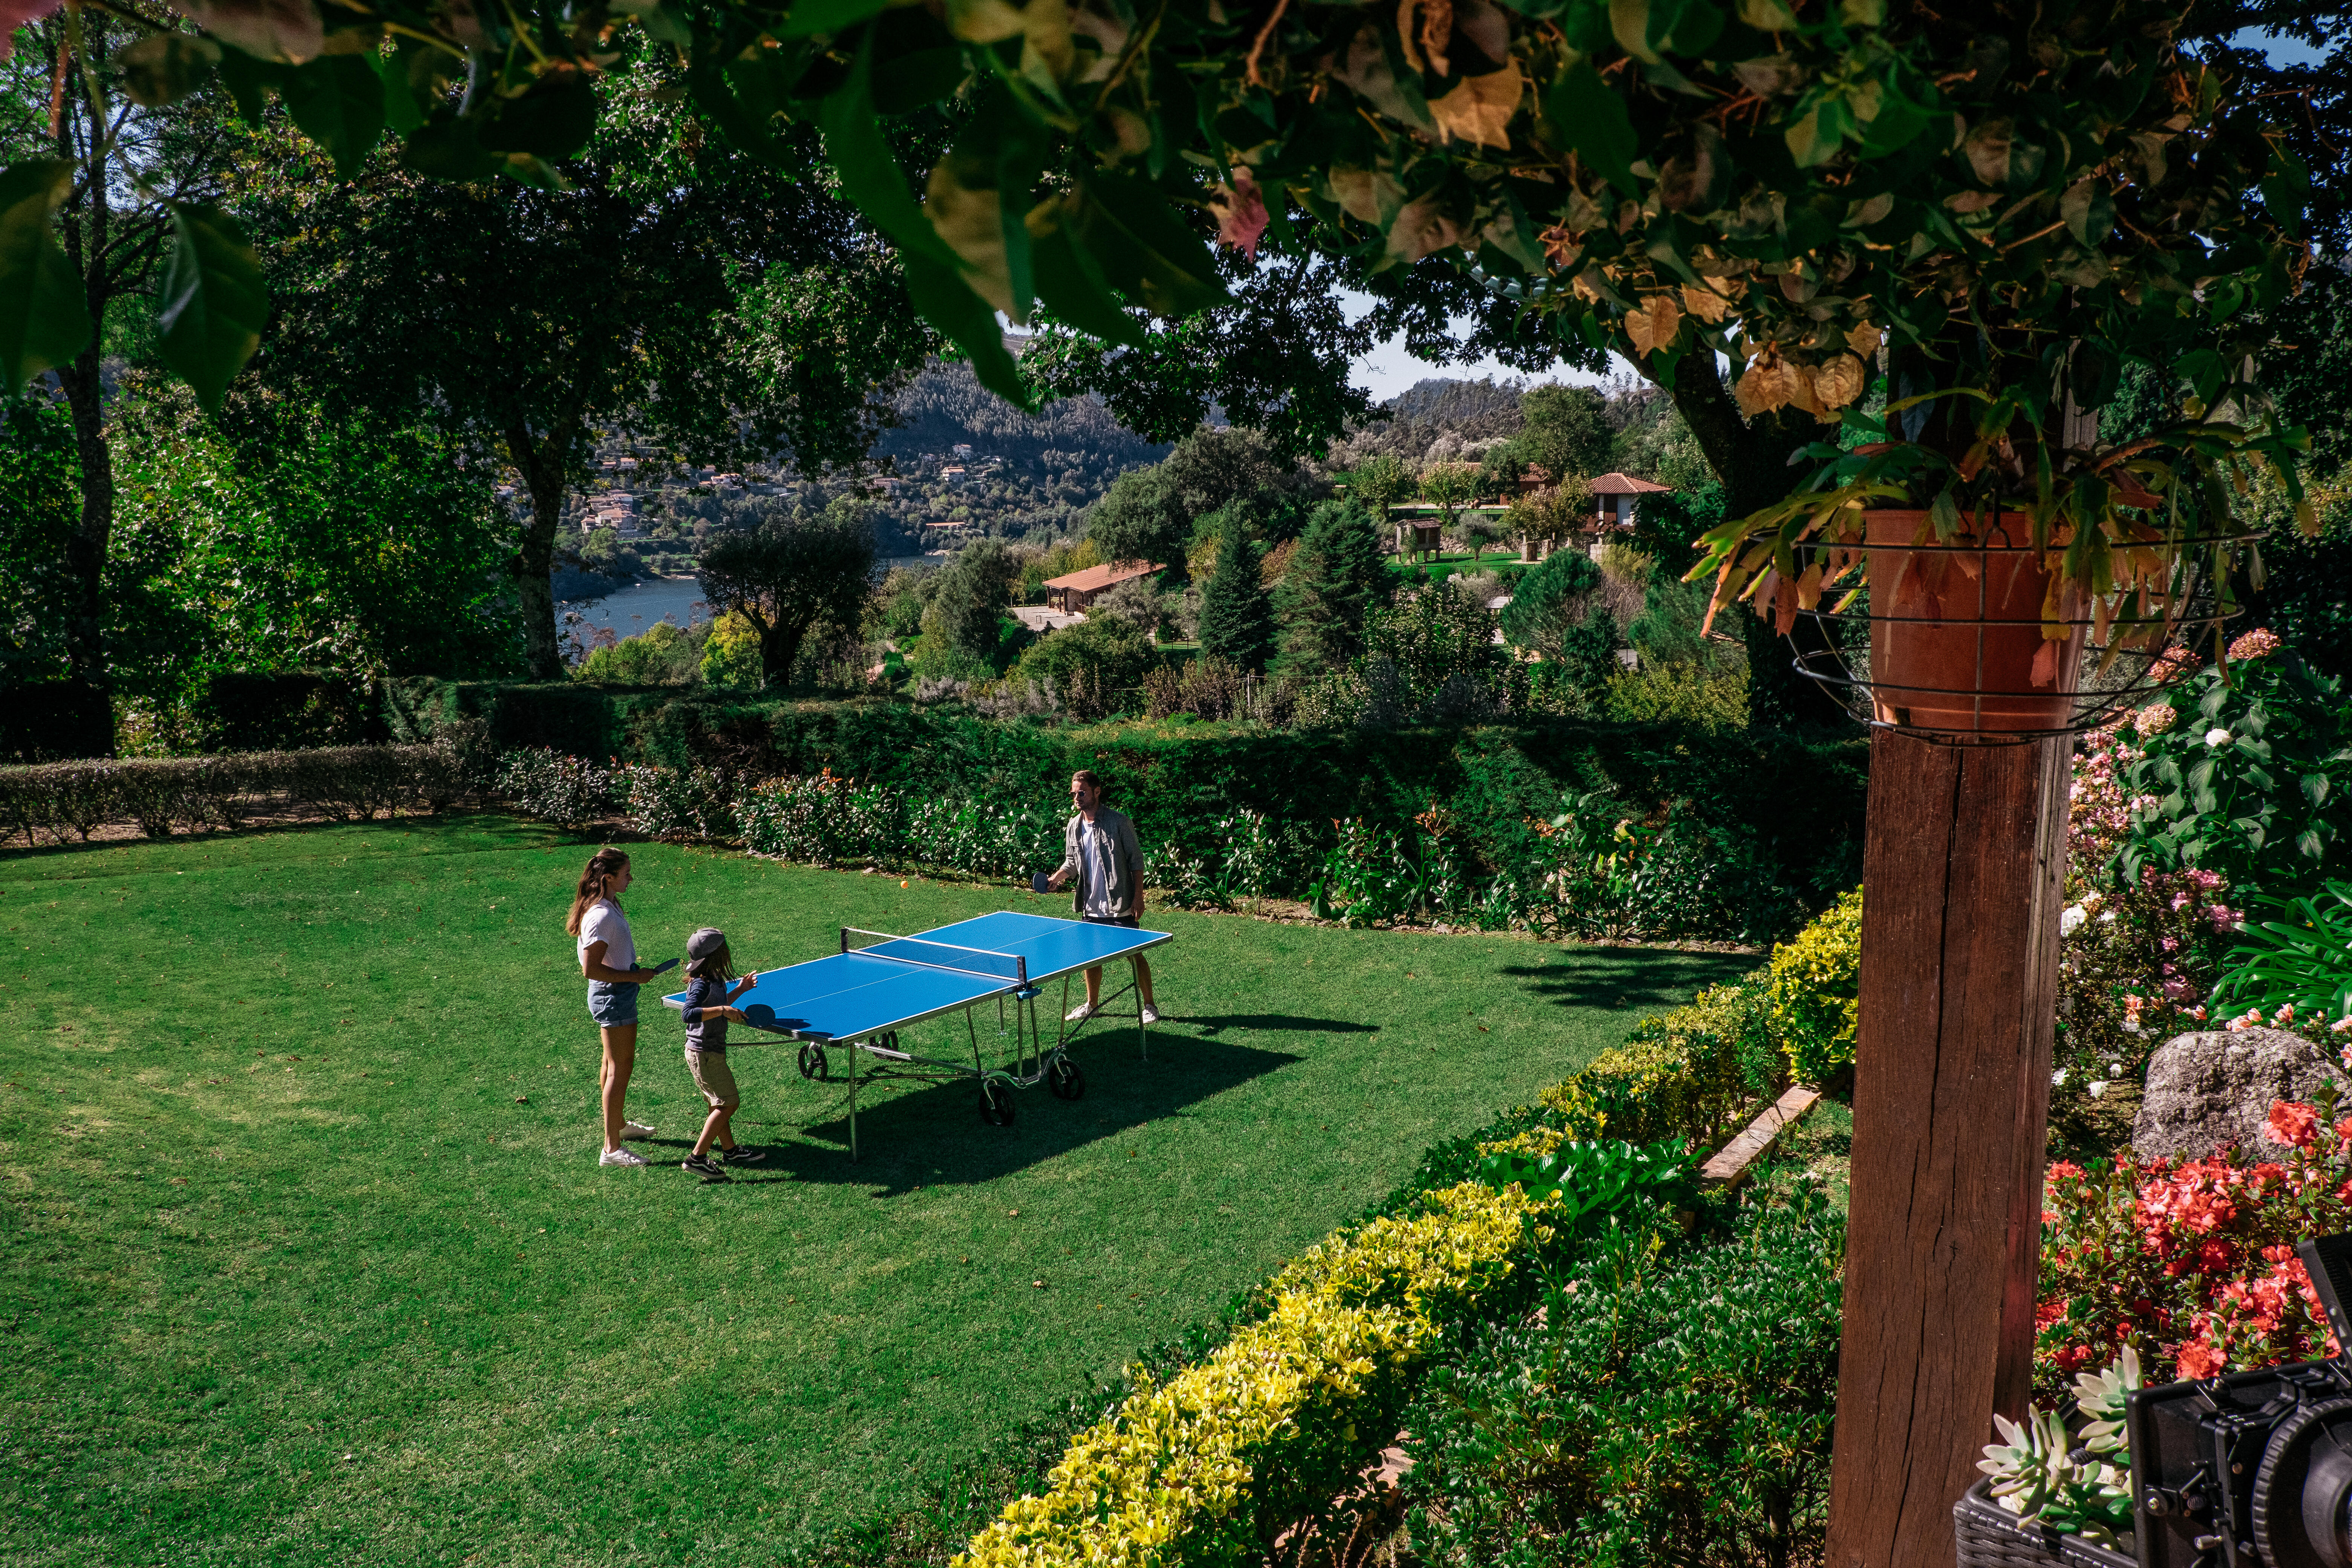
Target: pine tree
{"x":1336,"y":581}
{"x":1236,"y":613}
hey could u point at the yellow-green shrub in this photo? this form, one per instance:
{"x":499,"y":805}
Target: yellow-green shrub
{"x":1678,"y":1076}
{"x":1816,"y":980}
{"x":1197,"y":1469}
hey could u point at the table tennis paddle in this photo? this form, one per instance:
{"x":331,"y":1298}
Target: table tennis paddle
{"x":666,"y":965}
{"x":1037,"y":882}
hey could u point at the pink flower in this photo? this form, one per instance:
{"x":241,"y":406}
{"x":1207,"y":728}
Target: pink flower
{"x":2155,"y":719}
{"x":2254,"y":644}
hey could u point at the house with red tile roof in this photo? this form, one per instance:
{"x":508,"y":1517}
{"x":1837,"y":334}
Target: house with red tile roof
{"x":1076,"y":590}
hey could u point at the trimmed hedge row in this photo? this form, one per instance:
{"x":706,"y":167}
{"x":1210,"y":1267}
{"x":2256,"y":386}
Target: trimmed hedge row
{"x":1788,"y":811}
{"x":162,"y":794}
{"x":1206,"y":1465}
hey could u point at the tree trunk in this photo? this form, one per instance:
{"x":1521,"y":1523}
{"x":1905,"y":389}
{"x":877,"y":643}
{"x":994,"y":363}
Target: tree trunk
{"x":780,"y":649}
{"x":86,"y":231}
{"x":87,"y":547}
{"x":1966,"y":851}
{"x":542,"y":466}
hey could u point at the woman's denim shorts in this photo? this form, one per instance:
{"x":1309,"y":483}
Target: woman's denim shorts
{"x":613,"y":1003}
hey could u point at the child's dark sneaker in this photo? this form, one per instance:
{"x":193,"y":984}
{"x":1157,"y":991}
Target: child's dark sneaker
{"x":702,"y":1165}
{"x":741,"y":1156}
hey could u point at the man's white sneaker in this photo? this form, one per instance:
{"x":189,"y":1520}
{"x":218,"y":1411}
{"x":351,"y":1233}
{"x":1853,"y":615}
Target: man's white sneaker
{"x":635,"y":1129}
{"x":1080,"y":1013}
{"x":622,"y":1157}
{"x":1150,"y":1014}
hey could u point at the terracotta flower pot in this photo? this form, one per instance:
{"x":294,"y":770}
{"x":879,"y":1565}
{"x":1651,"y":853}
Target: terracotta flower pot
{"x":1955,"y":642}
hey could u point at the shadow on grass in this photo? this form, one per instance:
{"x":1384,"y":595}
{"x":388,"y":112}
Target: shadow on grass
{"x":1613,"y":977}
{"x":1275,"y":1023}
{"x":933,"y":1136}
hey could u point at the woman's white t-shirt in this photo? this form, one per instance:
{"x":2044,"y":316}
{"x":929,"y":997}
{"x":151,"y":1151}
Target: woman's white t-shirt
{"x":604,"y":922}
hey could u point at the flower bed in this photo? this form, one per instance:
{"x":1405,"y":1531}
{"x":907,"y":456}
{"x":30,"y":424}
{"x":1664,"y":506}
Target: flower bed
{"x":2191,"y":1261}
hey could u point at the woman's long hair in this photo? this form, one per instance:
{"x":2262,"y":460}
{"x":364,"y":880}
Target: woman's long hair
{"x":719,"y":965}
{"x":602,"y":866}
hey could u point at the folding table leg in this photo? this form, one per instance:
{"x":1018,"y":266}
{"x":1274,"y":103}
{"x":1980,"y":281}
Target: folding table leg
{"x":853,"y":1102}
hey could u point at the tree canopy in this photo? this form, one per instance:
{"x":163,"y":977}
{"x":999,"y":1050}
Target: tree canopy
{"x":790,"y":578}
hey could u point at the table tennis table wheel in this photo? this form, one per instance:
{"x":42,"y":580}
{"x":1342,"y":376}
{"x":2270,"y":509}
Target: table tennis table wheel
{"x":995,"y":1104}
{"x":812,"y":1061}
{"x":1064,"y":1081}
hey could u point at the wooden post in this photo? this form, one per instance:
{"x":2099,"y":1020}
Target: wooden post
{"x":1963,"y":867}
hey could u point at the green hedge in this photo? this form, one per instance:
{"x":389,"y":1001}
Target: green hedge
{"x":1788,"y":810}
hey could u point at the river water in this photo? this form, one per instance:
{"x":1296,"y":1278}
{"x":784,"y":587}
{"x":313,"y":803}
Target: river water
{"x":678,"y":600}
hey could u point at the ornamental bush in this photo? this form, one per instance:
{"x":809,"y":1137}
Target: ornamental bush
{"x":1816,"y":985}
{"x":1207,"y":1466}
{"x":169,"y":794}
{"x":1664,"y":1409}
{"x":2246,"y":771}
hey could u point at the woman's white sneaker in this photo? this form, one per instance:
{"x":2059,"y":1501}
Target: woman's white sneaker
{"x":622,"y":1157}
{"x":1080,"y":1013}
{"x":1150,"y":1014}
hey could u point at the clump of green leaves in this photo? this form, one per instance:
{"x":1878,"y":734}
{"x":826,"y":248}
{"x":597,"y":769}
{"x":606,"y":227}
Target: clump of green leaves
{"x":2302,"y":961}
{"x":2246,"y":770}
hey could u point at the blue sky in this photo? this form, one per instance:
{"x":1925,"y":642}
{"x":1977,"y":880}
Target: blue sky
{"x":1389,"y":370}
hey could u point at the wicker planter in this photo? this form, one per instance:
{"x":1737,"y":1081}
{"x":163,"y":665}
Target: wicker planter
{"x":1955,"y":642}
{"x":1988,"y":1536}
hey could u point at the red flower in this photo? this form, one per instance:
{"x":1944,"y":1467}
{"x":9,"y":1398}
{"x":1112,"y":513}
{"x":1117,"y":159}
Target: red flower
{"x":2199,"y":1358}
{"x":2291,"y":1123}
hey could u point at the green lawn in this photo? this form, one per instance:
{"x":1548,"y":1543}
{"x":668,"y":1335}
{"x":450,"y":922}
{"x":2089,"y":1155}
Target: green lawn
{"x":309,"y":1260}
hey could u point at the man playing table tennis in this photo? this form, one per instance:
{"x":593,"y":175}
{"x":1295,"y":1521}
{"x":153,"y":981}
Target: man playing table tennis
{"x":1101,"y":851}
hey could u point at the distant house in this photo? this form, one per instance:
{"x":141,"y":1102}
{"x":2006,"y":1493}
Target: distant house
{"x":1076,"y":590}
{"x":962,"y":449}
{"x":952,"y":473}
{"x":1613,"y":496}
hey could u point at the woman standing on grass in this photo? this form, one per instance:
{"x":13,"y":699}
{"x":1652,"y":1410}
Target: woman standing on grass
{"x":608,"y":957}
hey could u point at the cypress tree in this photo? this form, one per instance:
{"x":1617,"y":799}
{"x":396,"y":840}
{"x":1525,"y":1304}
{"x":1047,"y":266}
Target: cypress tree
{"x":1338,"y":578}
{"x":1236,"y":613}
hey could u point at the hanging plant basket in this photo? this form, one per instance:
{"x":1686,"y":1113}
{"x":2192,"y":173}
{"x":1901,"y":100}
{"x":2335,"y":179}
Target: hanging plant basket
{"x":1975,"y":639}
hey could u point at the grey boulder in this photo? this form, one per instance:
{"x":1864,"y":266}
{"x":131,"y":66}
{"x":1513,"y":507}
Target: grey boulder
{"x":2208,"y":1090}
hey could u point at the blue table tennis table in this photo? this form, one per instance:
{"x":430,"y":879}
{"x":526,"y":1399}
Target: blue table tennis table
{"x":859,"y":998}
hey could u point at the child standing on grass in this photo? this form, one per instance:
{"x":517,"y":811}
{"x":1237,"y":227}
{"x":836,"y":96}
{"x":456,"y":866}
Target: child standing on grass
{"x":709,"y":1010}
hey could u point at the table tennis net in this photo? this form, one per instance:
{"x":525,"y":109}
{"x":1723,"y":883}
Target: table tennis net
{"x":928,"y":954}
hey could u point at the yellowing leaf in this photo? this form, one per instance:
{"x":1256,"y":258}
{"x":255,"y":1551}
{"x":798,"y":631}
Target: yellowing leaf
{"x":971,"y":220}
{"x":1865,"y":339}
{"x":1425,"y":46}
{"x":1770,"y":384}
{"x":1480,"y":109}
{"x":1044,"y":24}
{"x":1422,"y":229}
{"x":1653,"y":326}
{"x":1366,"y":194}
{"x":1706,"y":304}
{"x":1840,"y":381}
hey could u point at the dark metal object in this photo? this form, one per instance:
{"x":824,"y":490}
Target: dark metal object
{"x":2252,"y":1469}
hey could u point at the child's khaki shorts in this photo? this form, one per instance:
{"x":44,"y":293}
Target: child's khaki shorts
{"x":714,"y":1078}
